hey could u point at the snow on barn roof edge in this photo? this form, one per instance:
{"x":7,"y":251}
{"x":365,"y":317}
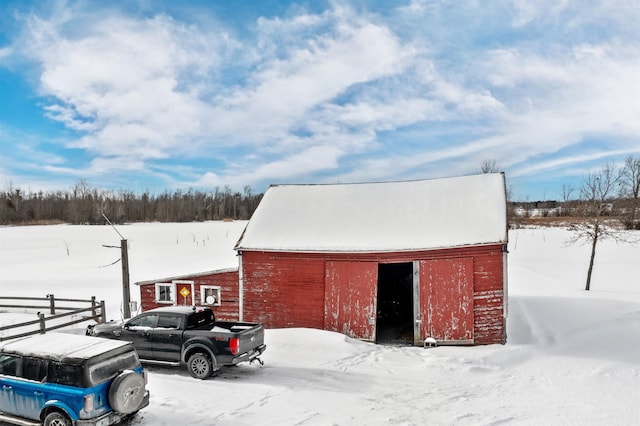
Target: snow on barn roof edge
{"x":188,"y":276}
{"x":379,"y":217}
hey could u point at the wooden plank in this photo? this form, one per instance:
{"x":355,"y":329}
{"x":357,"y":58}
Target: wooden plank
{"x":229,"y":309}
{"x":417,"y":311}
{"x":489,"y":317}
{"x":283,"y":290}
{"x":447,"y":299}
{"x":350,"y":298}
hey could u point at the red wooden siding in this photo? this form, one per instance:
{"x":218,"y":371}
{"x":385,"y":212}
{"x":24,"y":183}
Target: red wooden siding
{"x":350,"y":298}
{"x":283,"y":290}
{"x":446,"y":299}
{"x":148,"y":296}
{"x":288,"y":289}
{"x":227,"y":281}
{"x":489,"y":298}
{"x":230,"y":300}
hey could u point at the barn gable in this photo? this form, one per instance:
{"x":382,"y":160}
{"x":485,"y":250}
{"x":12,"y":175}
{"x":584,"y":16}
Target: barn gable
{"x":404,"y":261}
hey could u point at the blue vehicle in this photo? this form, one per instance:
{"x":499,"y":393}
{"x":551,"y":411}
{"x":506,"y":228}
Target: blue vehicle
{"x":60,"y":379}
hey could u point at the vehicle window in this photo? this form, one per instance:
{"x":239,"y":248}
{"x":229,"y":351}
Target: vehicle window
{"x":64,"y":374}
{"x":199,"y":318}
{"x":169,"y":321}
{"x":110,"y":368}
{"x":9,"y":364}
{"x":144,"y":321}
{"x":34,"y":368}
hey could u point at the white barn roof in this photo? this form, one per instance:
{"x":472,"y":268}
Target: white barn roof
{"x":380,"y":217}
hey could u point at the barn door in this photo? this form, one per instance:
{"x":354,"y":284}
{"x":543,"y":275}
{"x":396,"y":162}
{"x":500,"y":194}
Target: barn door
{"x":350,"y":298}
{"x":446,"y":300}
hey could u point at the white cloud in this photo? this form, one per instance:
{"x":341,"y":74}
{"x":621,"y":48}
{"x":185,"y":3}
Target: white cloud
{"x":334,"y":93}
{"x":284,"y":92}
{"x":562,"y":162}
{"x":125,"y":84}
{"x":528,"y":11}
{"x":5,"y":52}
{"x":133,"y":88}
{"x":303,"y":163}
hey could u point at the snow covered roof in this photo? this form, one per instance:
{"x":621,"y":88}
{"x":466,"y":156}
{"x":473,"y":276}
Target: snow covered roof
{"x":62,"y":346}
{"x":378,"y":217}
{"x":187,"y":276}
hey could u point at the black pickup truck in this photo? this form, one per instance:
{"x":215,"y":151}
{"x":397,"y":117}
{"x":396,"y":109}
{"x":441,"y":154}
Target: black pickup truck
{"x":184,"y":335}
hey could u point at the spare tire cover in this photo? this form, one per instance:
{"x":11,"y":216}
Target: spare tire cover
{"x":127,"y":392}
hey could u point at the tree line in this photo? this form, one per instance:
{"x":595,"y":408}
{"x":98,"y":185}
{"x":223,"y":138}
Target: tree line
{"x":611,"y":194}
{"x":84,"y":204}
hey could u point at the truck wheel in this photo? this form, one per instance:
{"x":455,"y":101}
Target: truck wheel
{"x":200,"y":365}
{"x":56,"y":418}
{"x":127,"y":392}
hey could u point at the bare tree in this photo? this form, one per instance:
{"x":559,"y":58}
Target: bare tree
{"x":596,"y":196}
{"x":630,"y":188}
{"x":567,"y":190}
{"x":489,"y":166}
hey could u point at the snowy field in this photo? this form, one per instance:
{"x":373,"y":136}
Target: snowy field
{"x":572,"y":357}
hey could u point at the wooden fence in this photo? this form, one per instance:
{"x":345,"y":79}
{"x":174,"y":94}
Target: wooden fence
{"x":57,"y":313}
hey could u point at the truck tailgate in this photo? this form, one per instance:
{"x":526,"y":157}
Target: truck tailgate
{"x":251,"y":336}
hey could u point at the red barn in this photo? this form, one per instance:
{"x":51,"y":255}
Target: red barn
{"x":382,"y":262}
{"x":218,"y":289}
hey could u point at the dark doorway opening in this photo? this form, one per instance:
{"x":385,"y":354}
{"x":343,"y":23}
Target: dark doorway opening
{"x":395,"y":304}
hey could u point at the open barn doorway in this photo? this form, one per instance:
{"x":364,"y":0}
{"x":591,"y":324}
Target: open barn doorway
{"x":394,"y":323}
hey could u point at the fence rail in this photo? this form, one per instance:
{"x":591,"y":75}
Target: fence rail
{"x":95,"y":311}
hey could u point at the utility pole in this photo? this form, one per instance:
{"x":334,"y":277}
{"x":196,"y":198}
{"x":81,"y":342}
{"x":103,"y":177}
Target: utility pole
{"x":124,"y":258}
{"x":126,"y":295}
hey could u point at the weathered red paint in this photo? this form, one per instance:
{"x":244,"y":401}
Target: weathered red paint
{"x":285,"y":289}
{"x":337,"y":291}
{"x":227,"y":280}
{"x":446,"y":299}
{"x":350,"y":298}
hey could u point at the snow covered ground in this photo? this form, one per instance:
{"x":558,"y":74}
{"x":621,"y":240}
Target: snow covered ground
{"x":572,"y":357}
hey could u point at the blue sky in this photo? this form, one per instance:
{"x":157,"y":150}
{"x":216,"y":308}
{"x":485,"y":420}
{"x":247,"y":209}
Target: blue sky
{"x":164,"y":95}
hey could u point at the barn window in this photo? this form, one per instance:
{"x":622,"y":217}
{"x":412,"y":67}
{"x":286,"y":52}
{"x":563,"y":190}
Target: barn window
{"x":164,"y":293}
{"x":210,"y":295}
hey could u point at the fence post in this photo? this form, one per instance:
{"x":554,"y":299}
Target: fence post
{"x":43,"y":328}
{"x":52,"y":303}
{"x":103,"y":312}
{"x":93,"y":307}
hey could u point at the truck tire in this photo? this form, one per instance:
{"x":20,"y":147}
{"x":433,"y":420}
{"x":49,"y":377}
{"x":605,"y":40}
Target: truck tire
{"x":201,"y":366}
{"x":56,"y":418}
{"x":127,"y":392}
